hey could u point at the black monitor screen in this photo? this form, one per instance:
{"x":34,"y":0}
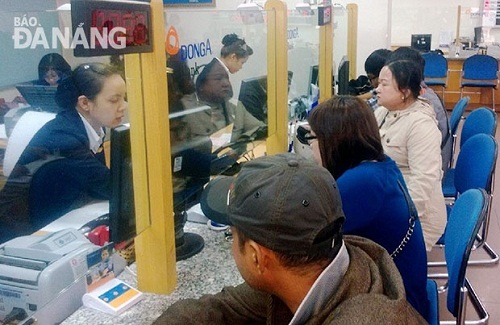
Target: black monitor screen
{"x":313,"y":77}
{"x":39,"y":96}
{"x":253,"y":95}
{"x":122,"y":224}
{"x":421,"y":42}
{"x":343,"y":77}
{"x":478,"y":35}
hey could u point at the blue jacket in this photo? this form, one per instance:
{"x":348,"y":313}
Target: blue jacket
{"x":376,"y":208}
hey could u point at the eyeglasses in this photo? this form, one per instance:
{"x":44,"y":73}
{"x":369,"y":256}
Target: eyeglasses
{"x":304,"y":135}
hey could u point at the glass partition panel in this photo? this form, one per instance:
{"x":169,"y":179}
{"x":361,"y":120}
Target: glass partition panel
{"x":217,"y":79}
{"x":37,"y":54}
{"x":65,"y":172}
{"x":303,"y":57}
{"x":340,"y":39}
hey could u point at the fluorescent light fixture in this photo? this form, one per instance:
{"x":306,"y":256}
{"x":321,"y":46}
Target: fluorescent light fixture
{"x":249,"y":6}
{"x":251,"y":13}
{"x":64,"y":7}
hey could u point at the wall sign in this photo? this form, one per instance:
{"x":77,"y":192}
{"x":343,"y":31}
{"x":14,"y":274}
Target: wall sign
{"x":103,"y":27}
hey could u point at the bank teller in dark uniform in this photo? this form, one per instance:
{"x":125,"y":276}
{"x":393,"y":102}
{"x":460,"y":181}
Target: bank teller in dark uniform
{"x":63,"y":166}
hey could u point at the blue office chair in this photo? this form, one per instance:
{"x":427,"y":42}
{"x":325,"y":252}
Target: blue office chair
{"x":457,"y":113}
{"x":432,"y":296}
{"x":480,"y":120}
{"x":465,"y":220}
{"x":475,"y":168}
{"x":455,"y":118}
{"x":480,"y":71}
{"x":436,"y":70}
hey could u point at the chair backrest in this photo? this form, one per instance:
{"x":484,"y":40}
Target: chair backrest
{"x":436,"y":65}
{"x":480,"y":120}
{"x":464,"y":222}
{"x":29,"y":124}
{"x":480,"y":67}
{"x":457,"y":113}
{"x":476,"y":163}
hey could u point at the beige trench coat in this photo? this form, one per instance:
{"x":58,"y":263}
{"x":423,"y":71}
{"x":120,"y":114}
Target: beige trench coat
{"x":412,"y":139}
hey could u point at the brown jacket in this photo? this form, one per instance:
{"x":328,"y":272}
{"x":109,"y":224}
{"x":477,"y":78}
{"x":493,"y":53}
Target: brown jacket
{"x":371,"y":292}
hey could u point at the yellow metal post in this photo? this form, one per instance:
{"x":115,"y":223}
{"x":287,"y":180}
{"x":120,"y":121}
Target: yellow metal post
{"x":277,"y":77}
{"x":352,"y":38}
{"x":150,"y":137}
{"x":325,"y":61}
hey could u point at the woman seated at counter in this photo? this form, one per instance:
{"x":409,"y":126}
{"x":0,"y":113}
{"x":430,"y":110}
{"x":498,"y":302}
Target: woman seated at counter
{"x":213,"y":89}
{"x":63,"y":166}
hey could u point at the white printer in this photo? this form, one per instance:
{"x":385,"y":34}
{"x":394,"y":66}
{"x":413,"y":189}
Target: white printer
{"x":44,"y":275}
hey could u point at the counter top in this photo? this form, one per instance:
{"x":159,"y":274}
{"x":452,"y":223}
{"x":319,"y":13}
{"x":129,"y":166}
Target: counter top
{"x":207,"y":272}
{"x":455,"y":58}
{"x":493,"y":51}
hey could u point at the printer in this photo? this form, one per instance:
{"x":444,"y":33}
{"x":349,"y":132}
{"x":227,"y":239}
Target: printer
{"x":44,"y":275}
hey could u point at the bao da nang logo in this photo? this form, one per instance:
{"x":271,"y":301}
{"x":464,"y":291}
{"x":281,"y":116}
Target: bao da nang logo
{"x":187,"y":51}
{"x":28,"y":33}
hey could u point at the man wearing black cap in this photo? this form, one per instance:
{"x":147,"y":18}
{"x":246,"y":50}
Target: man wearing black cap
{"x":286,"y":216}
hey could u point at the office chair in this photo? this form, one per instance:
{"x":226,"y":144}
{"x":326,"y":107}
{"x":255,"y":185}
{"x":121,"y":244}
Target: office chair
{"x":480,"y":71}
{"x":455,"y":118}
{"x":475,"y":168}
{"x":432,"y":296}
{"x":24,"y":130}
{"x":436,"y":71}
{"x":466,"y":218}
{"x":481,"y":120}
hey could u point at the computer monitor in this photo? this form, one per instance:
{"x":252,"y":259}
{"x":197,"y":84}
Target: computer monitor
{"x":478,"y":36}
{"x":192,"y":165}
{"x":313,"y":77}
{"x":122,"y":224}
{"x":421,"y":42}
{"x":253,"y":95}
{"x":39,"y":96}
{"x":343,"y":77}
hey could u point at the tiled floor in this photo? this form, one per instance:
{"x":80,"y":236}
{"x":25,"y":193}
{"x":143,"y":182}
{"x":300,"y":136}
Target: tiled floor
{"x":485,"y":279}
